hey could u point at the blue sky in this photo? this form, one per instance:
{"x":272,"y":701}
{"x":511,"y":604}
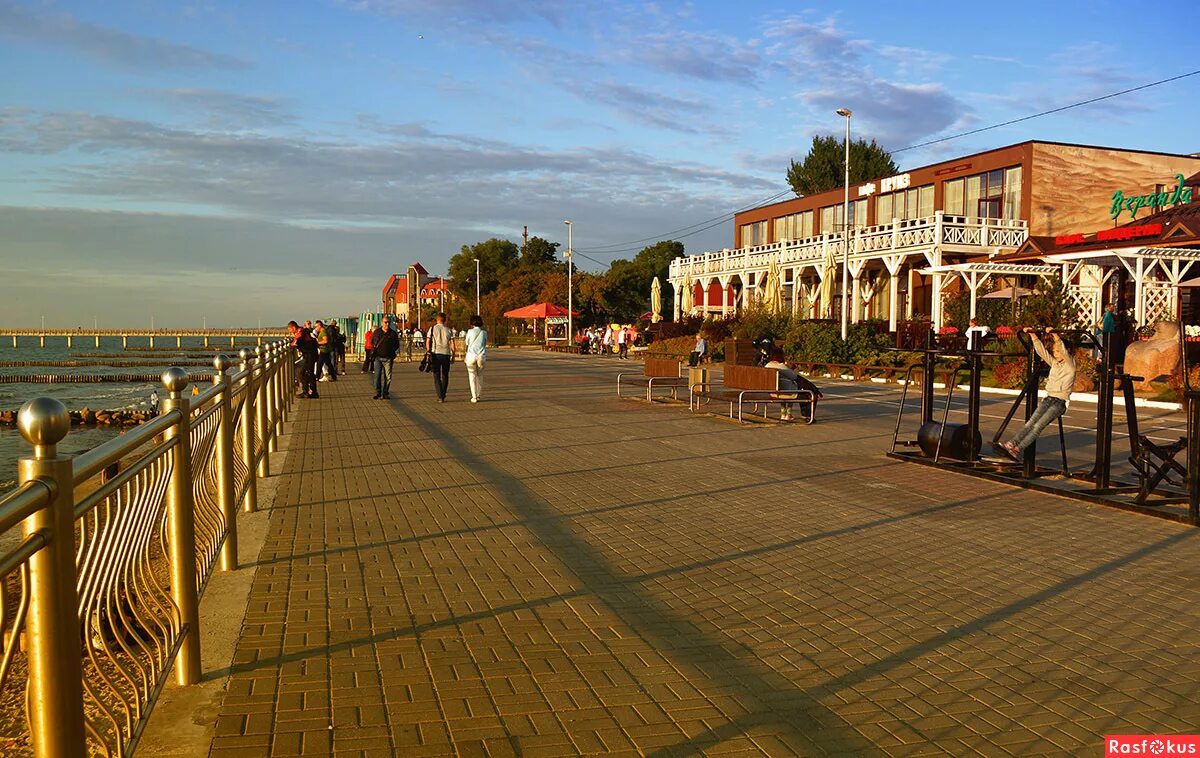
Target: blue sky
{"x":286,"y":157}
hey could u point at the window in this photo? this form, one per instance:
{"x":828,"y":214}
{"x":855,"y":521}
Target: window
{"x":883,"y":209}
{"x":831,"y":216}
{"x":794,"y":227}
{"x":754,"y":234}
{"x":952,"y":202}
{"x":992,"y":194}
{"x":915,"y":202}
{"x":1012,"y":193}
{"x":828,"y":225}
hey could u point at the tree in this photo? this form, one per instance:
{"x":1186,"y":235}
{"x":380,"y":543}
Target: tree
{"x":539,"y":253}
{"x":824,"y":167}
{"x":628,"y":292}
{"x":496,"y":258}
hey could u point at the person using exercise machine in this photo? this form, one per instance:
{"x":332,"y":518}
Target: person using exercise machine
{"x":1058,"y":390}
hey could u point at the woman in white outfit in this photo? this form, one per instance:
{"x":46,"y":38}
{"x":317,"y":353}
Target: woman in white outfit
{"x":476,"y":357}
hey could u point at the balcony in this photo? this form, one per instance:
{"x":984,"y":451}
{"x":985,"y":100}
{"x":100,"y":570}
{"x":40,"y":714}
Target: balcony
{"x":929,"y":236}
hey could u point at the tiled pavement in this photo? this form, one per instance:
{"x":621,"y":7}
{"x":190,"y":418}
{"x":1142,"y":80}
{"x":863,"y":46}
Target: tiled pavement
{"x":555,"y":572}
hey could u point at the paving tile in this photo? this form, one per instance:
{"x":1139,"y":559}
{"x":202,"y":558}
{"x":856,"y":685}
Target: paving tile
{"x":554,"y":571}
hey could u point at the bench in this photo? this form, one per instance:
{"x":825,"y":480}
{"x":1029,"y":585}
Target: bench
{"x":754,"y":385}
{"x":656,"y":372}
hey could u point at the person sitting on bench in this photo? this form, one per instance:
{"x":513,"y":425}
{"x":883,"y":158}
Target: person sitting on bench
{"x":699,"y":351}
{"x":1058,"y":391}
{"x":789,"y":380}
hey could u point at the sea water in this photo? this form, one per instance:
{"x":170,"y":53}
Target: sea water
{"x":99,"y":396}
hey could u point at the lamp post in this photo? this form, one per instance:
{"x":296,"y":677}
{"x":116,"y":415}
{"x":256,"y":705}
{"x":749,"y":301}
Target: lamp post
{"x":477,"y":310}
{"x":846,"y":113}
{"x":570,"y":251}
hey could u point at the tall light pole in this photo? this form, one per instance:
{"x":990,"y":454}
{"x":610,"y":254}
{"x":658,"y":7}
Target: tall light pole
{"x":846,"y":113}
{"x":477,"y":309}
{"x":570,"y":287}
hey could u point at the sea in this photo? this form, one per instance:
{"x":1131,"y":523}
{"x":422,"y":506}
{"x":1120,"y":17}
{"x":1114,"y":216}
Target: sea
{"x":102,"y":396}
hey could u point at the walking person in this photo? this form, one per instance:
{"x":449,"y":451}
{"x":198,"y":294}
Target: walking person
{"x":368,"y":351}
{"x":306,"y":345}
{"x":325,"y":349}
{"x":339,"y":347}
{"x":386,"y":341}
{"x":622,"y":343}
{"x":476,"y":357}
{"x":1058,"y":391}
{"x":438,"y":345}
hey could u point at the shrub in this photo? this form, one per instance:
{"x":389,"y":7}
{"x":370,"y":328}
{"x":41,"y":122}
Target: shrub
{"x":1010,"y":374}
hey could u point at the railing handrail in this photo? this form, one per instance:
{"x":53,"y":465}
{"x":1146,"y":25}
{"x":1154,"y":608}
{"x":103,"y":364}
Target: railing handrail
{"x":680,"y":265}
{"x":86,"y":570}
{"x":23,"y":501}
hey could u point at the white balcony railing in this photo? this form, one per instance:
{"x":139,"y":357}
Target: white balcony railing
{"x":957,"y":233}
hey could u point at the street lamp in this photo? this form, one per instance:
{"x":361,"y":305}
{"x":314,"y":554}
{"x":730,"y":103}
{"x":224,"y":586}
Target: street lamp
{"x":477,"y":309}
{"x":846,"y":113}
{"x":570,"y":251}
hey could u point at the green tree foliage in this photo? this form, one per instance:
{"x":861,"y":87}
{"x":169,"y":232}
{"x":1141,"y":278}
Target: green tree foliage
{"x":991,"y":312}
{"x":628,"y":293}
{"x":824,"y":167}
{"x":539,"y":254}
{"x":496,"y":258}
{"x":1048,"y":305}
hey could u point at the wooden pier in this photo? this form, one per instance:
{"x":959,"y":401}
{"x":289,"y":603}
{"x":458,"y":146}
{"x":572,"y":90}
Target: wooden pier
{"x":208,"y":335}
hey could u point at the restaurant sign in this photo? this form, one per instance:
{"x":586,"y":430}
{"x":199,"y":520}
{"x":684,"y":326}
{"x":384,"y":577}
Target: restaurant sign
{"x":1154,"y":200}
{"x":1120,"y":234}
{"x":887,"y":184}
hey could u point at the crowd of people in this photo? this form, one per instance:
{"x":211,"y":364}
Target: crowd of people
{"x":322,"y":349}
{"x":608,"y":340}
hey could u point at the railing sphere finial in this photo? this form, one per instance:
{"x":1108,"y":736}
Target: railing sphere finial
{"x":221,"y":362}
{"x":43,"y":421}
{"x":175,"y":380}
{"x":245,"y":355}
{"x":260,"y":351}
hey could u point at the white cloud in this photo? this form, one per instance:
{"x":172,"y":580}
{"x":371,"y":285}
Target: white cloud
{"x":106,"y":45}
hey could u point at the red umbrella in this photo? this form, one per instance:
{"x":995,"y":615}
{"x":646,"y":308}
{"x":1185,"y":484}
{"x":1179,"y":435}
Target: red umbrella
{"x":539,"y":310}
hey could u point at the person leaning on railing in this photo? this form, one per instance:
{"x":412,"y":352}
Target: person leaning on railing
{"x":306,"y":346}
{"x":1058,"y":390}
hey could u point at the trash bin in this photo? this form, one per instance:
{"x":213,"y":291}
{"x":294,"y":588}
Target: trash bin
{"x":697,"y":376}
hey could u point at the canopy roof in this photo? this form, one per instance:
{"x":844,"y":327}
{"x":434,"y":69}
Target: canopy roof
{"x":539,"y":310}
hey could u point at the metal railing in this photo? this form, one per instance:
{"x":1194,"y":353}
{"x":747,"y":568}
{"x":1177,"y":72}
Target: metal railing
{"x":866,"y":243}
{"x":99,"y":594}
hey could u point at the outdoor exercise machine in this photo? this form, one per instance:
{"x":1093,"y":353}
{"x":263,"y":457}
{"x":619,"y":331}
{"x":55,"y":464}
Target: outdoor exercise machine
{"x":1158,"y":480}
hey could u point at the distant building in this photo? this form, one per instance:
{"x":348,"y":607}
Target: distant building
{"x":403,"y":291}
{"x":1012,"y":214}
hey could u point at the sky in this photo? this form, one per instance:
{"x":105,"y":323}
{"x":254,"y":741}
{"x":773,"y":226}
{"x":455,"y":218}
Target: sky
{"x":236,"y":162}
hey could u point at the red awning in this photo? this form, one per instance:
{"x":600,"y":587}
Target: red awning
{"x":539,"y":310}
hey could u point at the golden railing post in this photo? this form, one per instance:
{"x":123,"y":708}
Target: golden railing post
{"x":248,"y":429}
{"x":226,"y":497}
{"x":55,"y":660}
{"x":273,"y":405}
{"x":264,"y":426}
{"x":181,"y":518}
{"x":280,"y":389}
{"x":291,"y":376}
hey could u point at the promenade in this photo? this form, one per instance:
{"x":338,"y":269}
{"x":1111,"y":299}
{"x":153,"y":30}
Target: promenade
{"x":556,"y":572}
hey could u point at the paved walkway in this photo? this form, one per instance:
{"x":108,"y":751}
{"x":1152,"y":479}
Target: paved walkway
{"x":554,"y":572}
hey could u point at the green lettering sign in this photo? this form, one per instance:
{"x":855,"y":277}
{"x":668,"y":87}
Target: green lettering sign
{"x":1155,"y":200}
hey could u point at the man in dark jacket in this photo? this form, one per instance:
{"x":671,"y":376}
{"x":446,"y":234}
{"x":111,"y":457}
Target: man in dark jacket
{"x":306,"y":345}
{"x":386,"y":342}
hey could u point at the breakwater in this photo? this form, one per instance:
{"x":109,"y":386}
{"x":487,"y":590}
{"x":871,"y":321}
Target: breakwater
{"x":89,"y":417}
{"x":89,"y":378}
{"x":142,"y":363}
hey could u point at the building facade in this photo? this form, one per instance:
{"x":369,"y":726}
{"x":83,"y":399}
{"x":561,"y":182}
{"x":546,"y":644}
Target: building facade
{"x":402,"y":292}
{"x":914,"y":236}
